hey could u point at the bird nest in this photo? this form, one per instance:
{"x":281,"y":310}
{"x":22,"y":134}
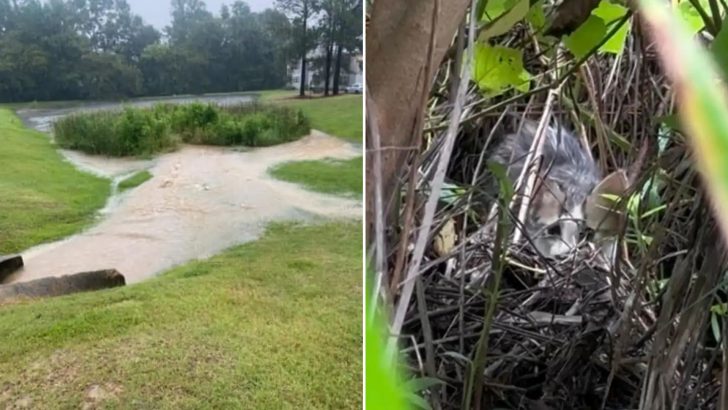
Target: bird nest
{"x":549,"y":339}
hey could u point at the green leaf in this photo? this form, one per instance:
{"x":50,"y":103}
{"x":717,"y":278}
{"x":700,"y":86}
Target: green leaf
{"x":505,"y":21}
{"x":451,"y":193}
{"x":720,"y":309}
{"x":586,"y":37}
{"x":611,"y":14}
{"x":715,"y":327}
{"x":690,"y":16}
{"x":500,"y":172}
{"x":384,"y":383}
{"x":536,"y":16}
{"x":495,"y":8}
{"x":719,"y":49}
{"x":497,"y":68}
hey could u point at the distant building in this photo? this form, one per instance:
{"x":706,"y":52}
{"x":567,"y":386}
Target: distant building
{"x":352,"y":71}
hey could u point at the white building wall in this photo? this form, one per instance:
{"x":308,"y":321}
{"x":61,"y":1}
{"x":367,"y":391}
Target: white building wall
{"x":354,"y":76}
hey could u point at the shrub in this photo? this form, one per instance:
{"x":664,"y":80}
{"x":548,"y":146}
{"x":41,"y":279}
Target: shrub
{"x":227,"y":132}
{"x":92,"y":132}
{"x":136,"y":131}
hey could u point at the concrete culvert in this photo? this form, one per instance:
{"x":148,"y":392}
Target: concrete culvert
{"x":9,"y":264}
{"x":63,"y":285}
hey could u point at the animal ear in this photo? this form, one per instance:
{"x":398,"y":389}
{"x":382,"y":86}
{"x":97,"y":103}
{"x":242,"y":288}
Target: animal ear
{"x":604,"y":207}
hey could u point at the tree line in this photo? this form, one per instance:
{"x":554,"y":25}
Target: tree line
{"x":100,"y":49}
{"x":338,"y":29}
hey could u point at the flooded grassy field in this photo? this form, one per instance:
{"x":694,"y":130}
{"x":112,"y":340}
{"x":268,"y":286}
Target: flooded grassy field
{"x":199,"y":201}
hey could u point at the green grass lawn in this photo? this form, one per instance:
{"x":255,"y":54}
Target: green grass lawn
{"x":134,"y":180}
{"x":343,"y":177}
{"x":272,"y":324}
{"x":340,"y":116}
{"x":42,"y":198}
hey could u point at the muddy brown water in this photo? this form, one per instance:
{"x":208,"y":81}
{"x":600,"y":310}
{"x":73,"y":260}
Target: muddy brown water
{"x":200,"y":201}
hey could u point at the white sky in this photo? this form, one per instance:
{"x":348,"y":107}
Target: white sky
{"x":159,"y":12}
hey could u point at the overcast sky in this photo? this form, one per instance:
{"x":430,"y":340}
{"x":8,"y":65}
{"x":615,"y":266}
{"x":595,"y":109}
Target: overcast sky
{"x":159,"y":12}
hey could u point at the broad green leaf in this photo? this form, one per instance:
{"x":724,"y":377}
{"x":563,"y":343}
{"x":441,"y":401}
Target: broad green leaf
{"x":690,"y":16}
{"x":497,"y":68}
{"x":586,"y":37}
{"x":505,"y":21}
{"x":720,"y":49}
{"x":536,"y":16}
{"x":611,"y":14}
{"x":495,"y":8}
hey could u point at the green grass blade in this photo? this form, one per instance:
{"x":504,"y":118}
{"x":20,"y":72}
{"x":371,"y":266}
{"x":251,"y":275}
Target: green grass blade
{"x":703,"y":104}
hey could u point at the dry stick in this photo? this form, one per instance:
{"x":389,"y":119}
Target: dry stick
{"x":604,"y":147}
{"x":412,"y":180}
{"x":438,"y":179}
{"x":379,"y":251}
{"x":529,"y":171}
{"x":476,"y":173}
{"x":430,"y":369}
{"x":460,"y":44}
{"x":473,"y":388}
{"x":724,"y":372}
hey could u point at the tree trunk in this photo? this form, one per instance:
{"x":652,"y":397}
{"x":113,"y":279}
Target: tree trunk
{"x":337,"y":70}
{"x":397,"y":39}
{"x":329,"y":51}
{"x":302,"y":89}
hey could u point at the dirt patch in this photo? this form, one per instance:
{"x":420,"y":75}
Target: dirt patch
{"x":96,"y":394}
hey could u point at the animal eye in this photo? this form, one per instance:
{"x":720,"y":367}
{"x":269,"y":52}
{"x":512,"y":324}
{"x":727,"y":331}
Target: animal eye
{"x":587,"y":234}
{"x":554,"y":230}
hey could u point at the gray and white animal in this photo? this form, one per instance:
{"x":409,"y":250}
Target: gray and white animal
{"x":569,"y":195}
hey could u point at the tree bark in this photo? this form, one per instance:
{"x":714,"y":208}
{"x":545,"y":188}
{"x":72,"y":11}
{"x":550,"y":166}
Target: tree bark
{"x":337,"y":69}
{"x":329,"y":51}
{"x":63,"y":285}
{"x":398,"y":39}
{"x":304,"y":44}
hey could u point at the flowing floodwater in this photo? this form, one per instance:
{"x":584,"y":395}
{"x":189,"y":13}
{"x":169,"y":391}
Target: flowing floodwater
{"x":199,"y":201}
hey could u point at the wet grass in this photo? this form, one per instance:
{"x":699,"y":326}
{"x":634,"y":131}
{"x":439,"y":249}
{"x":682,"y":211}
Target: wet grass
{"x":340,"y":115}
{"x":134,"y":180}
{"x":342,"y":177}
{"x":272,"y":324}
{"x":42,"y":198}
